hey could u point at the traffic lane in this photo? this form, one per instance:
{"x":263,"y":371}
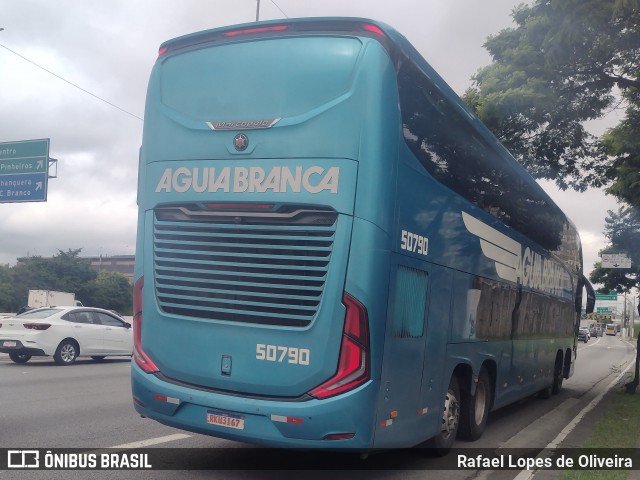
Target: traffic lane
{"x":219,"y":452}
{"x":599,"y":359}
{"x":85,"y":405}
{"x":88,"y":405}
{"x":594,"y":368}
{"x":550,"y":416}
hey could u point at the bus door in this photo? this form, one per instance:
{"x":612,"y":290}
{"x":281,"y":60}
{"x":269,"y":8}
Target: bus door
{"x":404,"y":352}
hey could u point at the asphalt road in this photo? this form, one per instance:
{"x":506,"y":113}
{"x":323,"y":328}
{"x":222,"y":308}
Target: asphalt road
{"x":88,"y":405}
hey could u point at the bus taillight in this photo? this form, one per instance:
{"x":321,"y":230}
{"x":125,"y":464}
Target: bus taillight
{"x":143,"y":361}
{"x":373,"y":29}
{"x":354,"y":361}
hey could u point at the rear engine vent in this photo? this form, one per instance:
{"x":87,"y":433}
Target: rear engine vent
{"x":250,"y":265}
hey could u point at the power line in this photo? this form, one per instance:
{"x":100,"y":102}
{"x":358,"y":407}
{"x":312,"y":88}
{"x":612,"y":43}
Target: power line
{"x":281,"y":11}
{"x":71,"y":83}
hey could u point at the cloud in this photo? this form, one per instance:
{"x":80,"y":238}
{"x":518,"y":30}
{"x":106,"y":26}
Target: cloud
{"x":109,"y":48}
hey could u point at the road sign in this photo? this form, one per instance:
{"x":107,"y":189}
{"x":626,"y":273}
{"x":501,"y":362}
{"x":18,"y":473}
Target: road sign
{"x":612,"y":296}
{"x":615,"y":260}
{"x":603,"y":310}
{"x":24,"y":171}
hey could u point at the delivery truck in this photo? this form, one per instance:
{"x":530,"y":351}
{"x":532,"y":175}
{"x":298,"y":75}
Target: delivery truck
{"x":51,"y":298}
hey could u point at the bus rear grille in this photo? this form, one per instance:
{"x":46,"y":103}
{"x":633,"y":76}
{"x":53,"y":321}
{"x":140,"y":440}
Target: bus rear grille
{"x":264,"y":268}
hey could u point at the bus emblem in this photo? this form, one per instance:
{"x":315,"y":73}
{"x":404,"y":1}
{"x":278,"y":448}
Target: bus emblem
{"x":240,"y":142}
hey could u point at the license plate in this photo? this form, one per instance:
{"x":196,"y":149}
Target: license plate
{"x":9,"y":344}
{"x":225,"y":419}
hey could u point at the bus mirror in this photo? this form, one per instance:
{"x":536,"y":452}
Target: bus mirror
{"x":591,"y":295}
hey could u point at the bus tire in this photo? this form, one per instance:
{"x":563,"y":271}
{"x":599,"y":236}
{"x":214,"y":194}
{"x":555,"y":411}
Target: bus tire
{"x":545,"y":393}
{"x":475,"y":408}
{"x":557,"y":375}
{"x":442,"y":443}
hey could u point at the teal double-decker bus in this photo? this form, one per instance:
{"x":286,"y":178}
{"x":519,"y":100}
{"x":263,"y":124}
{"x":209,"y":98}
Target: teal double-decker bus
{"x":332,"y":251}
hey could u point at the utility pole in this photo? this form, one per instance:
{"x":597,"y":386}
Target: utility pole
{"x":633,"y":317}
{"x":631,"y":386}
{"x":257,"y":10}
{"x":625,"y":320}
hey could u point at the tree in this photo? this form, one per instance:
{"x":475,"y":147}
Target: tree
{"x":622,"y":229}
{"x":65,"y":272}
{"x":6,"y":288}
{"x":112,"y":291}
{"x":623,"y":143}
{"x":565,"y":62}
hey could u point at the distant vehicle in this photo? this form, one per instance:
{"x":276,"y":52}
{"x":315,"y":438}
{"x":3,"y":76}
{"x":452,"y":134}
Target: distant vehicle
{"x":52,"y":298}
{"x":583,"y":335}
{"x":65,"y":333}
{"x":593,"y":332}
{"x":611,"y":329}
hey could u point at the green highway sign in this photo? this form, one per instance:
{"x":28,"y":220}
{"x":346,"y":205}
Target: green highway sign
{"x":612,"y":296}
{"x":23,"y":166}
{"x":603,"y":310}
{"x":24,"y":171}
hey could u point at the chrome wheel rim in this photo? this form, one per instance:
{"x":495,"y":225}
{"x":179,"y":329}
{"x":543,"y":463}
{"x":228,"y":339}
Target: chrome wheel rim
{"x":451,"y":415}
{"x":67,"y":353}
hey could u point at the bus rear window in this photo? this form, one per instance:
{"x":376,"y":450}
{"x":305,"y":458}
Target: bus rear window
{"x":258,"y":79}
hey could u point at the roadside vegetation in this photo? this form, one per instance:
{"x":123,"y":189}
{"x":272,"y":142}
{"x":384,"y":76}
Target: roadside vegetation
{"x":65,"y":272}
{"x":563,"y":64}
{"x":617,"y":430}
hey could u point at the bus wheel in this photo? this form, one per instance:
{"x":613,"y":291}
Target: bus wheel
{"x":475,"y":409}
{"x":557,"y":376}
{"x":442,"y":442}
{"x":545,"y":393}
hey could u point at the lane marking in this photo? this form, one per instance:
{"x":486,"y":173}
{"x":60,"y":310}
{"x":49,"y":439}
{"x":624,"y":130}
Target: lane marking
{"x":153,"y":441}
{"x":587,"y":345}
{"x":528,"y":474}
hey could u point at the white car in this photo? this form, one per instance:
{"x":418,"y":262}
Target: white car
{"x":65,"y":333}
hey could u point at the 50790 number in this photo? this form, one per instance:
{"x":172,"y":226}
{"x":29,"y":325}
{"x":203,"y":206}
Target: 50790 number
{"x":277,"y":353}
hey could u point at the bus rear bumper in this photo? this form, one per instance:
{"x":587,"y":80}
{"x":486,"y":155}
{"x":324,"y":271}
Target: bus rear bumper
{"x":342,"y":422}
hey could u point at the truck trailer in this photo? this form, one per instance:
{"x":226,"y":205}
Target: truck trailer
{"x":51,"y":298}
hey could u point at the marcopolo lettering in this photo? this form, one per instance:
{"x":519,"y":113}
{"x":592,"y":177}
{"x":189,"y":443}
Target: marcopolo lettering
{"x":243,"y":124}
{"x":314,"y":179}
